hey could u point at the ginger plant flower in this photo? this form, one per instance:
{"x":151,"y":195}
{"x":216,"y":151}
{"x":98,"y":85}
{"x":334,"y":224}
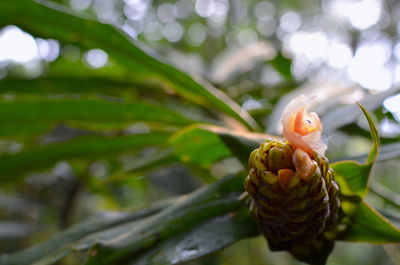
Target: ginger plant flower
{"x":290,"y":189}
{"x":302,"y":129}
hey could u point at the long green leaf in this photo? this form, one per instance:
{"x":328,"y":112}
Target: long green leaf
{"x":206,"y":144}
{"x":200,"y":145}
{"x":213,"y":200}
{"x":204,"y":239}
{"x":49,"y":20}
{"x":14,"y":166}
{"x":52,"y":111}
{"x":367,"y":225}
{"x":15,"y":131}
{"x":61,"y":244}
{"x":143,"y":165}
{"x":67,"y":85}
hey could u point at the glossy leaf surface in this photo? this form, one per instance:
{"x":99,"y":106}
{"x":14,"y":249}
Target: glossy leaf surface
{"x":42,"y":157}
{"x":367,"y":225}
{"x":49,"y":20}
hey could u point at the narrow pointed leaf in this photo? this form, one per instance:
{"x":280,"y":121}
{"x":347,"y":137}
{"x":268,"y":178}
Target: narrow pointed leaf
{"x":65,"y":85}
{"x":374,"y":133}
{"x":206,"y":144}
{"x":16,"y":131}
{"x":353,"y":176}
{"x":215,"y":199}
{"x":367,"y":225}
{"x":37,"y":158}
{"x":142,"y":165}
{"x":50,"y":251}
{"x":49,"y":20}
{"x":204,"y":239}
{"x":46,"y":111}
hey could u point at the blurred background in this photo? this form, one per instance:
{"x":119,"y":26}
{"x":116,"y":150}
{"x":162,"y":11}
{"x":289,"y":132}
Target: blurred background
{"x":261,"y":54}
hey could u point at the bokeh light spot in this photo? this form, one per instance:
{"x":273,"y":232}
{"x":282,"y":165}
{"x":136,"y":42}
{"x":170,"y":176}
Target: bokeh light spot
{"x":17,"y":46}
{"x":264,"y":10}
{"x":339,"y":55}
{"x":392,"y":104}
{"x":361,"y":14}
{"x":80,"y":5}
{"x":205,"y":8}
{"x":172,"y":31}
{"x":96,"y":58}
{"x":197,"y":34}
{"x":166,"y":12}
{"x":290,"y":22}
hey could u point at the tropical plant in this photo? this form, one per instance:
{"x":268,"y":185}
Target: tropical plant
{"x":140,"y":114}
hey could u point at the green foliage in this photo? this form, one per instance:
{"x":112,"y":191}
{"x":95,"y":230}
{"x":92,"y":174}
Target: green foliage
{"x":140,"y":114}
{"x":67,"y":111}
{"x":374,"y":133}
{"x":205,"y":238}
{"x":216,"y":199}
{"x":45,"y":20}
{"x":195,"y":145}
{"x":352,"y":177}
{"x":366,"y":225}
{"x":61,"y":244}
{"x":41,"y":157}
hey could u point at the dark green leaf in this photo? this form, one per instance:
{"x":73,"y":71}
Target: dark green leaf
{"x":46,"y":111}
{"x":205,"y":238}
{"x":61,"y":244}
{"x":282,"y":65}
{"x":352,"y":177}
{"x":213,"y":200}
{"x":160,"y":157}
{"x":49,"y":20}
{"x":66,"y":85}
{"x":18,"y":130}
{"x":367,"y":225}
{"x":142,"y":165}
{"x":41,"y":157}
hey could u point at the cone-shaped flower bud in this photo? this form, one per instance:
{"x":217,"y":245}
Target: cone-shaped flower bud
{"x":292,"y":192}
